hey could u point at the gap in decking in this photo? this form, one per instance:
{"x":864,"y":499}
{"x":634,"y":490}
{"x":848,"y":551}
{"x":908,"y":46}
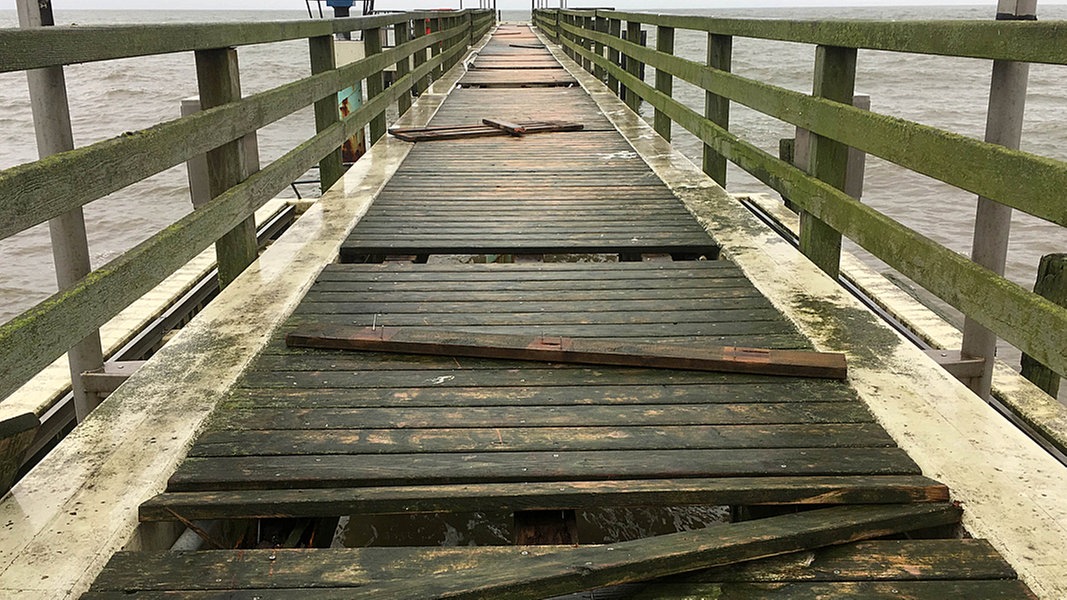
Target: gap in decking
{"x":597,"y":526}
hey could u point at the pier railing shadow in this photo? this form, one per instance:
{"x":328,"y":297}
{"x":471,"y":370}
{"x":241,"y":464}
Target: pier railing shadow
{"x":428,"y":43}
{"x":608,"y":44}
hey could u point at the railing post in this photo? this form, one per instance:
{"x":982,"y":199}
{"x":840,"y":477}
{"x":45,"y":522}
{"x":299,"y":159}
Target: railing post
{"x":420,"y":85}
{"x":372,"y":44}
{"x":716,"y":107}
{"x":437,"y":48}
{"x":835,"y":79}
{"x":218,"y":78}
{"x":633,"y":35}
{"x":331,"y":166}
{"x":70,"y":245}
{"x":1051,"y":284}
{"x":664,"y":81}
{"x":402,"y":33}
{"x":601,"y":26}
{"x":615,"y":31}
{"x":1004,"y":121}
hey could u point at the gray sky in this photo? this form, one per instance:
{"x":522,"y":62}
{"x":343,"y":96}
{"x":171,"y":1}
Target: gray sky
{"x":516,"y":4}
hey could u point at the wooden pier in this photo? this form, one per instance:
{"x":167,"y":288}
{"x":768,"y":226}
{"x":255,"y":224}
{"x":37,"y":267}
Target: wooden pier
{"x":824,"y":502}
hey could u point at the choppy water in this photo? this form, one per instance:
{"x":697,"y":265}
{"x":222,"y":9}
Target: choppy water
{"x":109,"y":98}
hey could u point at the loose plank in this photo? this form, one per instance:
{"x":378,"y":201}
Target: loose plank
{"x":505,"y":497}
{"x":569,"y":350}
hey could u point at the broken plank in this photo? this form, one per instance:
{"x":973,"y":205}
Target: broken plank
{"x":515,"y":572}
{"x":509,"y":497}
{"x":797,"y":363}
{"x":512,"y":128}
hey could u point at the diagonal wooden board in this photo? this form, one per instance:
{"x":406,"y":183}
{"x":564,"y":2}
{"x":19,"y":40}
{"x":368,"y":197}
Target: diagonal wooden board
{"x":443,"y":342}
{"x":515,"y":573}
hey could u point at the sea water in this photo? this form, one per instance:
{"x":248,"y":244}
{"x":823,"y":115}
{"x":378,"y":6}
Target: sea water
{"x":109,"y":98}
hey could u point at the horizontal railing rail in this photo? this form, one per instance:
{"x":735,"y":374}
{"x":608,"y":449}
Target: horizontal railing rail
{"x":35,"y":192}
{"x":1030,"y":183}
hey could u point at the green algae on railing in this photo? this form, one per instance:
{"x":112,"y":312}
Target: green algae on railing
{"x":1027,"y":182}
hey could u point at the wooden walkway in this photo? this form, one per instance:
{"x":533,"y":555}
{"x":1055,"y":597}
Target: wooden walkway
{"x":313,"y":435}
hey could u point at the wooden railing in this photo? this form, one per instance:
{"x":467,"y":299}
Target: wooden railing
{"x":428,"y":44}
{"x":1026,"y":182}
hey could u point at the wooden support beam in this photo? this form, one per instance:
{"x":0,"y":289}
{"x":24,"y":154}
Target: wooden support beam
{"x":1052,"y":284}
{"x":402,"y":33}
{"x":615,"y":31}
{"x":16,"y":437}
{"x":835,"y":79}
{"x":372,"y":44}
{"x":219,"y":83}
{"x":664,"y":81}
{"x":331,"y":166}
{"x":633,"y":67}
{"x":796,"y":363}
{"x":716,"y":107}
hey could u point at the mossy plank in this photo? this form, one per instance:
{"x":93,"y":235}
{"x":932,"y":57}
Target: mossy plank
{"x":330,"y":471}
{"x":265,"y":442}
{"x":876,"y":560}
{"x":503,"y":497}
{"x":740,"y":392}
{"x":543,"y":416}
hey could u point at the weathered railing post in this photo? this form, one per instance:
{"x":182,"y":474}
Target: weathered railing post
{"x":1052,"y":284}
{"x":331,"y":166}
{"x":633,"y":35}
{"x":437,"y":48}
{"x":615,"y":31}
{"x":601,"y":26}
{"x":1004,"y":122}
{"x":716,"y":107}
{"x":835,"y":79}
{"x":421,"y":84}
{"x":664,"y":81}
{"x":372,"y":44}
{"x":70,"y":246}
{"x":402,"y":33}
{"x":218,"y":79}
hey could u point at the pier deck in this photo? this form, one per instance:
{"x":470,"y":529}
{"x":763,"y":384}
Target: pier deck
{"x":321,"y":434}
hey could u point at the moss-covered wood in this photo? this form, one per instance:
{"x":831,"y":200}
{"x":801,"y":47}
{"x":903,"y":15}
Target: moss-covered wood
{"x":1032,"y":323}
{"x":22,"y":49}
{"x":1022,"y":41}
{"x":321,"y":50}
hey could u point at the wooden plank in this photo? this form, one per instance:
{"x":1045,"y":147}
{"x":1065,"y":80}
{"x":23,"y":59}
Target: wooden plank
{"x":520,"y":575}
{"x":507,"y":497}
{"x":328,"y":471}
{"x":539,"y":416}
{"x":513,"y":129}
{"x":876,"y":560}
{"x":511,"y":437}
{"x":569,"y":350}
{"x":912,"y":590}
